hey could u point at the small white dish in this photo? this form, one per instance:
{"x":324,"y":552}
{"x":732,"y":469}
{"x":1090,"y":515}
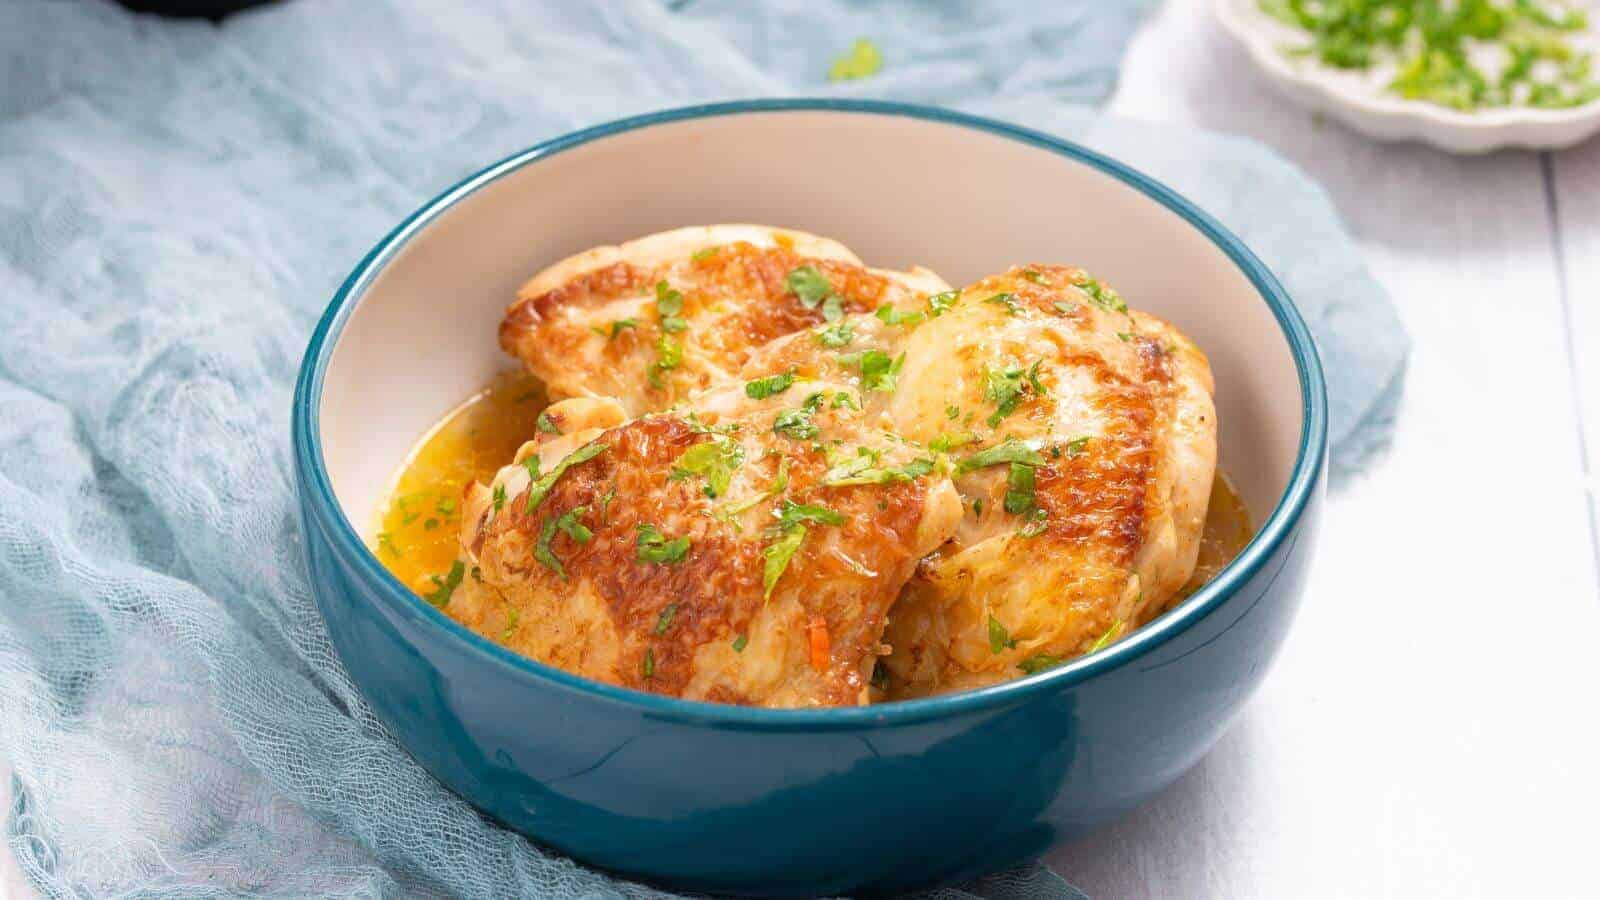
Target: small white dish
{"x":1354,"y":100}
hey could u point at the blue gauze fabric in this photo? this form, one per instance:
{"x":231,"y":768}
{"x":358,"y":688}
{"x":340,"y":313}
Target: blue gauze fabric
{"x":178,"y":201}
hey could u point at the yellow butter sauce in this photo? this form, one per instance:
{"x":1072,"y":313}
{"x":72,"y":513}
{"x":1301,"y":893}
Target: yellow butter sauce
{"x":420,"y":524}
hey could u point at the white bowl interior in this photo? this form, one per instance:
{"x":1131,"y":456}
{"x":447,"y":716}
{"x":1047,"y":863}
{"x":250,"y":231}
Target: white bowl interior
{"x":897,"y":190}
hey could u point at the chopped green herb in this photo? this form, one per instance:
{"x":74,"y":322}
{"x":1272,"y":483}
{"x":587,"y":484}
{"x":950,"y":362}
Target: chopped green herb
{"x":952,"y":412}
{"x":940,"y":303}
{"x":499,"y":497}
{"x":1065,"y":308}
{"x":649,"y":662}
{"x":777,"y":554}
{"x":669,"y":302}
{"x":1103,"y":296}
{"x":977,"y":507}
{"x":796,"y":423}
{"x":547,"y":424}
{"x":779,"y":483}
{"x":864,"y":59}
{"x":386,"y":544}
{"x":531,"y":463}
{"x":809,"y":285}
{"x":1104,"y":639}
{"x":1039,"y":662}
{"x":999,"y":637}
{"x":1037,"y":521}
{"x":792,"y":513}
{"x":1003,"y":388}
{"x":430,"y":524}
{"x":1033,"y":380}
{"x":669,"y":355}
{"x":542,"y":552}
{"x":1076,"y":445}
{"x":713,"y":460}
{"x":605,"y":502}
{"x":1011,"y":451}
{"x":704,"y":253}
{"x":444,"y":587}
{"x":1008,"y":300}
{"x":445,"y":507}
{"x":653,"y":547}
{"x":838,"y":334}
{"x":664,"y":621}
{"x":833,"y":308}
{"x":944,"y":443}
{"x":1034,"y":277}
{"x":878,"y":369}
{"x":542,"y":486}
{"x":572,"y":526}
{"x":1125,"y":336}
{"x":1019,"y":489}
{"x":843,"y":398}
{"x":762,"y":388}
{"x":740,"y":642}
{"x":512,"y":617}
{"x":856,"y":473}
{"x":617,"y":328}
{"x":891,"y":316}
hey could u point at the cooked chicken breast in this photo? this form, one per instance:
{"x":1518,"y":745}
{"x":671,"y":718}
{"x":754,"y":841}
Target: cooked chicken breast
{"x":747,"y":552}
{"x":1083,"y":438}
{"x":652,"y":320}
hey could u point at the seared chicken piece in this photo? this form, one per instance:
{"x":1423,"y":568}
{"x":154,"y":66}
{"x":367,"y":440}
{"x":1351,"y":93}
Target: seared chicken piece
{"x":654,"y":319}
{"x":746,"y":553}
{"x":1083,"y":437}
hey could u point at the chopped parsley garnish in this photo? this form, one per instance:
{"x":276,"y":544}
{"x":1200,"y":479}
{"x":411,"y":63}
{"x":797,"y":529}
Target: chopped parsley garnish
{"x":669,"y":355}
{"x":777,"y":554}
{"x":843,"y":398}
{"x":617,"y":328}
{"x":386,"y":544}
{"x":977,"y":507}
{"x":1008,"y":300}
{"x":499,"y":497}
{"x":1033,"y":380}
{"x":833,"y":308}
{"x":1039,"y":662}
{"x":542,"y":486}
{"x":1065,"y":308}
{"x":705,"y":253}
{"x":944,"y":443}
{"x":1125,"y":336}
{"x":999,"y":637}
{"x":1003,"y":388}
{"x":1019,"y":489}
{"x":1076,"y":445}
{"x":713,"y":460}
{"x":1464,"y":55}
{"x":796,"y":423}
{"x":512,"y":617}
{"x":891,"y":316}
{"x":762,"y":388}
{"x":1104,"y":639}
{"x":792,"y":513}
{"x":863,"y":470}
{"x":664,"y":621}
{"x":779,"y":483}
{"x":569,"y":524}
{"x":940,"y":303}
{"x":740,"y":642}
{"x":809,"y":285}
{"x":430,"y":524}
{"x":1034,"y":277}
{"x":669,"y":302}
{"x":444,"y":587}
{"x":878,"y":369}
{"x":1037,"y":520}
{"x":445,"y":507}
{"x":952,"y":412}
{"x":649,"y":662}
{"x":864,"y":59}
{"x":654,"y":547}
{"x":547,"y":424}
{"x":1011,"y":451}
{"x":1103,"y":296}
{"x":531,"y":463}
{"x":839,"y":334}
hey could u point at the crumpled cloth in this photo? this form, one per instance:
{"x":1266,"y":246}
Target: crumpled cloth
{"x":179,"y":200}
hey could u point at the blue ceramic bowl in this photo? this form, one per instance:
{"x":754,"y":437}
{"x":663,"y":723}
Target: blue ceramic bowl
{"x":755,"y":801}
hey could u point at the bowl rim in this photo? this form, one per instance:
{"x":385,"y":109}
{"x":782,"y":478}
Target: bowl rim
{"x":319,"y":502}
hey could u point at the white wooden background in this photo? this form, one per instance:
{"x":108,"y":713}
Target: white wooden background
{"x":1433,"y":727}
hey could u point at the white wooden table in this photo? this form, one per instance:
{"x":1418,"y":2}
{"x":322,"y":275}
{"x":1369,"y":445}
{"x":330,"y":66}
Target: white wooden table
{"x":1432,"y":728}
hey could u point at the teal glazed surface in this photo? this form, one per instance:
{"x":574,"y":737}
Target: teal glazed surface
{"x":784,"y":802}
